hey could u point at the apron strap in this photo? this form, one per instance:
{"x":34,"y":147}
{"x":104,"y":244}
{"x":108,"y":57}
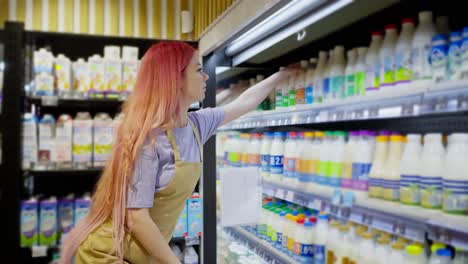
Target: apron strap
{"x":197,"y":137}
{"x":175,"y":148}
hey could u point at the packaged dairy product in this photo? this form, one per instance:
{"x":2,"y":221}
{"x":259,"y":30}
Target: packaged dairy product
{"x":65,"y":216}
{"x":332,"y":241}
{"x":82,"y":206}
{"x":62,"y":74}
{"x":414,"y":255}
{"x":397,"y":254}
{"x":461,"y":256}
{"x":362,"y":160}
{"x":190,"y":256}
{"x":432,"y":161}
{"x":265,"y":154}
{"x":29,"y":223}
{"x":308,"y":160}
{"x":96,"y":76}
{"x":301,"y":83}
{"x":455,"y":177}
{"x":336,"y":158}
{"x":129,"y":76}
{"x":290,"y":158}
{"x":464,"y":53}
{"x":291,"y":234}
{"x":360,"y":72}
{"x":29,"y":152}
{"x":63,"y":141}
{"x":277,"y":157}
{"x":372,"y":82}
{"x":300,"y":144}
{"x":235,"y":151}
{"x":319,"y":76}
{"x":82,"y":140}
{"x":44,"y":84}
{"x":112,"y":71}
{"x":323,"y":171}
{"x":286,"y":232}
{"x":326,"y":76}
{"x":309,"y":81}
{"x":350,"y":82}
{"x":321,"y":240}
{"x":455,"y":56}
{"x":261,"y":227}
{"x":48,"y":226}
{"x":46,"y":151}
{"x":80,"y":78}
{"x":343,"y":247}
{"x":337,"y":74}
{"x":367,"y":253}
{"x":391,"y":175}
{"x":403,"y":67}
{"x":377,"y":171}
{"x":411,"y":170}
{"x":304,"y":243}
{"x":382,"y":250}
{"x":280,"y":230}
{"x":194,"y":215}
{"x":439,"y":58}
{"x":442,"y":256}
{"x":387,"y":56}
{"x":244,"y":149}
{"x":43,"y":73}
{"x":102,"y":139}
{"x":254,"y":149}
{"x":347,"y":164}
{"x":421,"y":46}
{"x":292,"y":89}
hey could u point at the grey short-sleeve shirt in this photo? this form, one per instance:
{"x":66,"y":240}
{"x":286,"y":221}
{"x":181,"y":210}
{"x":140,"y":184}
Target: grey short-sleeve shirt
{"x":154,"y":168}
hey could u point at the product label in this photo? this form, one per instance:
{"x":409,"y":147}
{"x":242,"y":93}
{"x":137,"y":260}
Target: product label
{"x":375,"y":188}
{"x":300,"y":95}
{"x":81,"y":210}
{"x":308,"y":170}
{"x":360,"y":176}
{"x":254,"y":160}
{"x":323,"y":172}
{"x":45,"y":143}
{"x":265,"y":159}
{"x":455,"y":197}
{"x":113,"y":76}
{"x":29,"y":224}
{"x":285,"y":99}
{"x":80,"y":77}
{"x":290,"y":244}
{"x":403,"y":66}
{"x":292,"y":97}
{"x":234,"y":159}
{"x":44,"y":84}
{"x":244,"y":159}
{"x":82,"y":141}
{"x":66,"y":216}
{"x":336,"y":170}
{"x":431,"y":192}
{"x":464,"y":54}
{"x":409,"y":189}
{"x":350,"y":85}
{"x":276,"y":164}
{"x":102,"y":141}
{"x":337,"y":86}
{"x":318,"y":91}
{"x":130,"y":70}
{"x":62,"y":75}
{"x":388,"y":72}
{"x":279,"y":238}
{"x":285,"y":241}
{"x":373,"y":76}
{"x":290,"y":167}
{"x":360,"y":87}
{"x":319,"y":254}
{"x":455,"y":61}
{"x":278,"y":99}
{"x":439,"y":62}
{"x":420,"y":58}
{"x":326,"y":87}
{"x":63,"y":143}
{"x":48,"y":225}
{"x":309,"y":94}
{"x":304,"y":252}
{"x":391,"y":189}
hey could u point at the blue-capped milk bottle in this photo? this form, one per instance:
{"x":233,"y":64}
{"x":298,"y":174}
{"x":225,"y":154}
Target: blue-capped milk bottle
{"x":455,"y":56}
{"x":387,"y":56}
{"x":464,"y":53}
{"x":439,"y":58}
{"x":421,"y":47}
{"x":277,"y":157}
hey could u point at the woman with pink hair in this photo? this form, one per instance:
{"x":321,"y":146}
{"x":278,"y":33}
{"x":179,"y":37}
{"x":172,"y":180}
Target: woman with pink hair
{"x":156,"y":160}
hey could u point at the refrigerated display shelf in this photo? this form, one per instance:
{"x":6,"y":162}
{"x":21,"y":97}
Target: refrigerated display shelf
{"x":395,"y":102}
{"x":259,"y":246}
{"x":404,"y":220}
{"x":64,"y":173}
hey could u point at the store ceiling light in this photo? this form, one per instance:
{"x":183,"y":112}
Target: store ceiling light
{"x":288,"y":31}
{"x":221,"y":69}
{"x":280,"y":18}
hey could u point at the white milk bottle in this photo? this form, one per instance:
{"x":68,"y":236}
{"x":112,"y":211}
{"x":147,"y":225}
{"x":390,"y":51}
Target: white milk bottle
{"x":349,"y":150}
{"x":326,"y":77}
{"x":29,"y":140}
{"x":253,"y":150}
{"x":411,"y":170}
{"x":391,"y":179}
{"x":350,"y":82}
{"x":360,"y":72}
{"x":332,"y":241}
{"x":421,"y":46}
{"x":261,"y":227}
{"x":304,"y":243}
{"x":82,"y":140}
{"x":300,"y":144}
{"x":235,"y":151}
{"x":403,"y":73}
{"x":265,"y":154}
{"x":336,"y":158}
{"x":367,"y":249}
{"x":387,"y":56}
{"x":397,"y":254}
{"x":455,"y":176}
{"x":464,"y":53}
{"x":244,"y":150}
{"x":455,"y":56}
{"x":382,"y":251}
{"x":279,"y":94}
{"x":308,"y":161}
{"x":301,"y":83}
{"x":343,"y":247}
{"x":337,"y":74}
{"x":318,"y":79}
{"x":438,"y":57}
{"x":378,"y":165}
{"x":433,"y":156}
{"x":363,"y":161}
{"x":442,"y":256}
{"x":321,"y":232}
{"x":292,"y":233}
{"x":290,"y":156}
{"x":461,"y":256}
{"x":227,"y":149}
{"x":415,"y":255}
{"x":323,"y":170}
{"x":280,"y":230}
{"x":286,"y":232}
{"x":372,"y":83}
{"x":309,"y":81}
{"x":277,"y":157}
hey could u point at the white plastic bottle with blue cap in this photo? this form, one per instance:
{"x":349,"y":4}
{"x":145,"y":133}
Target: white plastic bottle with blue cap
{"x":439,"y":58}
{"x":277,"y":157}
{"x":421,"y":47}
{"x":442,"y":256}
{"x":321,"y":232}
{"x":464,"y":53}
{"x":265,"y":154}
{"x":290,"y":159}
{"x":455,"y":56}
{"x":304,"y":242}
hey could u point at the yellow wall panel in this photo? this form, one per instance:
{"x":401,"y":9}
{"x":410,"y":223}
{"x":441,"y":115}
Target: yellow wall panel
{"x":99,"y":17}
{"x":128,"y":14}
{"x":184,"y":5}
{"x":68,"y":15}
{"x":157,"y":19}
{"x":37,"y":15}
{"x":114,"y":14}
{"x":3,"y":12}
{"x":142,"y":18}
{"x":170,"y":20}
{"x":53,"y":18}
{"x":84,"y":16}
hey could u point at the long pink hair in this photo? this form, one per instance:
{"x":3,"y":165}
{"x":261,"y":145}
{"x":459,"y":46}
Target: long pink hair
{"x":154,"y":103}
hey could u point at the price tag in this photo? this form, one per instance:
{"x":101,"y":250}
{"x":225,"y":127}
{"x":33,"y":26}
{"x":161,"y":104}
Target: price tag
{"x":268,"y":191}
{"x":190,"y":241}
{"x":289,"y":196}
{"x":315,"y":204}
{"x":49,"y":100}
{"x":300,"y":200}
{"x":38,"y":251}
{"x":407,"y":110}
{"x":348,"y":199}
{"x":359,"y":114}
{"x":340,"y":115}
{"x":322,"y":116}
{"x":280,"y":193}
{"x":336,"y":198}
{"x":373,"y":112}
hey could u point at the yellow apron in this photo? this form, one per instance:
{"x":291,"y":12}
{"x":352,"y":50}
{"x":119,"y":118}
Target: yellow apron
{"x":167,"y":207}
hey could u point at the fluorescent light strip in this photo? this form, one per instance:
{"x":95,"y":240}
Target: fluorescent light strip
{"x":280,"y":18}
{"x":290,"y":30}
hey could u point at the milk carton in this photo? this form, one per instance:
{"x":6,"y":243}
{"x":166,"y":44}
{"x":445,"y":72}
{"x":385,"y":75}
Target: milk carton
{"x":96,"y":76}
{"x":181,"y":225}
{"x":82,"y":206}
{"x":66,"y":216}
{"x":48,"y":222}
{"x":194,"y":215}
{"x":29,"y":223}
{"x":62,"y":72}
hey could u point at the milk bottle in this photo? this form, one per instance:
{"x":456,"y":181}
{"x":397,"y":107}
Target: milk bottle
{"x":324,"y":162}
{"x":362,"y":161}
{"x":300,"y":143}
{"x":286,"y":232}
{"x":414,"y":255}
{"x":291,"y":234}
{"x":442,"y":256}
{"x":350,"y":82}
{"x":373,"y":63}
{"x":421,"y":46}
{"x":235,"y":151}
{"x":349,"y":150}
{"x":277,"y":157}
{"x":411,"y":170}
{"x":332,"y":241}
{"x":336,"y":158}
{"x":367,"y":249}
{"x":326,"y":76}
{"x":228,"y":149}
{"x":397,"y":254}
{"x":403,"y":65}
{"x":433,"y":156}
{"x":261,"y":227}
{"x":378,"y":165}
{"x":321,"y":240}
{"x":308,"y":160}
{"x":391,"y":179}
{"x":29,"y":140}
{"x":280,"y":230}
{"x":461,"y":256}
{"x":337,"y":74}
{"x":464,"y":53}
{"x":290,"y":156}
{"x":244,"y":148}
{"x":301,"y":83}
{"x":455,"y":177}
{"x":103,"y":132}
{"x":382,"y":250}
{"x":309,"y":81}
{"x":319,"y":76}
{"x":343,"y":247}
{"x":82,"y":140}
{"x":455,"y":56}
{"x":279,"y":94}
{"x":265,"y":154}
{"x":253,"y":151}
{"x":292,"y":90}
{"x":304,"y":243}
{"x":439,"y":58}
{"x":360,"y":72}
{"x":387,"y":56}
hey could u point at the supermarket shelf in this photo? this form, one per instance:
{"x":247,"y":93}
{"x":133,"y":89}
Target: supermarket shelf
{"x":64,"y":173}
{"x":408,"y":221}
{"x":395,"y":102}
{"x":261,"y":247}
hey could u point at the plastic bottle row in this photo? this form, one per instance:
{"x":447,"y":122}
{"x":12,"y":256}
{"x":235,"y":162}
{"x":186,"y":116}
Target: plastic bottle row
{"x":419,"y":55}
{"x":230,"y":251}
{"x":110,"y":77}
{"x":388,"y":165}
{"x":312,"y":237}
{"x":67,"y":143}
{"x":187,"y":256}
